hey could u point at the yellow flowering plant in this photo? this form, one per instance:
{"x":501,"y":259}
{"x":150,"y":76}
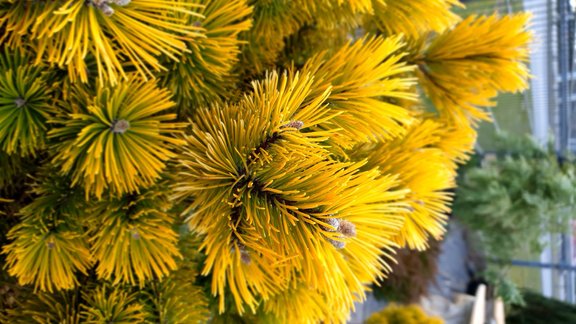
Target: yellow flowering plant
{"x":397,"y":314}
{"x":179,"y":161}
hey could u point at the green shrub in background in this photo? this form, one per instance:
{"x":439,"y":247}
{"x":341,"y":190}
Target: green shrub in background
{"x":515,"y":196}
{"x":539,"y":309}
{"x":512,"y":197}
{"x":396,"y":314}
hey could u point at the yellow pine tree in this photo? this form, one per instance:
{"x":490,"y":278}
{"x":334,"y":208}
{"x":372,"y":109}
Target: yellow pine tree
{"x":175,"y":161}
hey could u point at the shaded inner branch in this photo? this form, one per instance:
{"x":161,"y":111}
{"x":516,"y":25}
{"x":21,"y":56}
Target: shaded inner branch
{"x":257,"y":189}
{"x":235,"y":215}
{"x":246,"y":176}
{"x":249,"y":182}
{"x":422,"y":67}
{"x":269,"y":141}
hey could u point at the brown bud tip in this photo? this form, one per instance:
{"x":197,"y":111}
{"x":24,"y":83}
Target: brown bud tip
{"x":120,"y":126}
{"x":106,"y":9}
{"x":19,"y":102}
{"x":333,"y":222}
{"x":245,"y":257}
{"x":244,"y":254}
{"x":294,"y":124}
{"x":347,"y":228}
{"x":50,"y":245}
{"x":135,"y":234}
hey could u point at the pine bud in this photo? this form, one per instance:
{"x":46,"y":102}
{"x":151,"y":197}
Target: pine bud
{"x":245,"y":257}
{"x":135,"y":234}
{"x":344,"y":227}
{"x":337,"y":244}
{"x":50,"y":244}
{"x":244,"y":254}
{"x":347,"y":228}
{"x":106,"y":9}
{"x":294,"y":124}
{"x":120,"y":2}
{"x":333,"y":222}
{"x":120,"y":126}
{"x":20,"y":102}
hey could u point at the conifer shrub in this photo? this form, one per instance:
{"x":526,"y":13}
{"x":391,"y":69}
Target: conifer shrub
{"x":516,"y":195}
{"x":510,"y":199}
{"x":176,"y":161}
{"x":540,"y":309}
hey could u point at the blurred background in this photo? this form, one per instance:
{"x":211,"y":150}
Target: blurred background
{"x":513,"y":225}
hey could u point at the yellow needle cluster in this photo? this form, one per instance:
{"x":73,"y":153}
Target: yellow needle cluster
{"x":116,"y":140}
{"x":264,"y":158}
{"x":413,"y":18}
{"x":65,"y":32}
{"x":204,"y":75}
{"x":464,"y":68}
{"x":24,"y":105}
{"x":425,"y":171}
{"x":272,"y":204}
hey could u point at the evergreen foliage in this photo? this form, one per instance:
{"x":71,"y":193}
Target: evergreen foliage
{"x":520,"y":185}
{"x":540,"y":309}
{"x":177,"y":161}
{"x":512,"y":197}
